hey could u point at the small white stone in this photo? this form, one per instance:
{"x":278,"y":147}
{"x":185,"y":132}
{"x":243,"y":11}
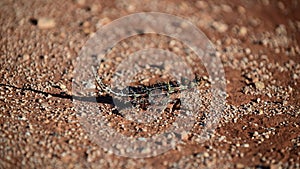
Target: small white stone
{"x":241,"y":10}
{"x":46,"y":23}
{"x":247,"y":51}
{"x":220,"y":27}
{"x":80,"y":2}
{"x":239,"y":165}
{"x":242,"y":31}
{"x":26,"y":57}
{"x":205,"y":154}
{"x":259,"y":85}
{"x":63,"y":87}
{"x":246,"y":145}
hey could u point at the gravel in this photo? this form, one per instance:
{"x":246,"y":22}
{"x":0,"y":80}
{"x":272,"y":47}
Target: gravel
{"x":257,"y":41}
{"x":46,"y":23}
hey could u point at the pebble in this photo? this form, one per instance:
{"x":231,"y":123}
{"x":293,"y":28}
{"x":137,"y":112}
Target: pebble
{"x":267,"y":136}
{"x":258,"y":100}
{"x":102,"y":22}
{"x":242,"y":31}
{"x":131,"y":8}
{"x":63,"y":87}
{"x":205,"y":154}
{"x":246,"y":145}
{"x":241,"y":10}
{"x":259,"y":85}
{"x":260,"y":112}
{"x":184,"y":136}
{"x":220,"y":27}
{"x":255,"y":22}
{"x":26,"y":57}
{"x":80,"y":2}
{"x":226,"y":8}
{"x":295,"y":76}
{"x":201,"y":4}
{"x":239,"y":165}
{"x":96,"y":8}
{"x":255,"y":134}
{"x":247,"y":51}
{"x":46,"y":23}
{"x":281,"y":30}
{"x":45,"y":105}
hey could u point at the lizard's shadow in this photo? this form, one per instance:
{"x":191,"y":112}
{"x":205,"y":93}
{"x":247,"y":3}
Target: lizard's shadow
{"x":99,"y":99}
{"x":63,"y":95}
{"x":106,"y":99}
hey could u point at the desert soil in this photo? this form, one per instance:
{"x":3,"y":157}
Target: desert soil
{"x":257,"y":42}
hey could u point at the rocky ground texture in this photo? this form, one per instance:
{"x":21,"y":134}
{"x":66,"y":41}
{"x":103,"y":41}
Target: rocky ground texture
{"x":257,"y":42}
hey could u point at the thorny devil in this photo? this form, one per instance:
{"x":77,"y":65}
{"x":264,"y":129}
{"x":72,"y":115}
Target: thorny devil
{"x":138,"y":96}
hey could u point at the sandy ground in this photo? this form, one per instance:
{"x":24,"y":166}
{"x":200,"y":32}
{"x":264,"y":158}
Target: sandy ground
{"x":257,"y":42}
